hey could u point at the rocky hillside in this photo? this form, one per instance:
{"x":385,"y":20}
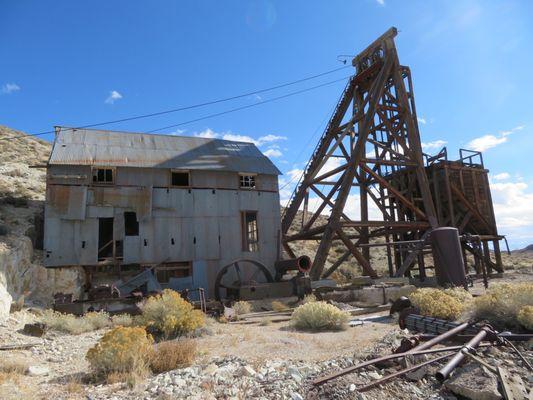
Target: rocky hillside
{"x":22,"y":192}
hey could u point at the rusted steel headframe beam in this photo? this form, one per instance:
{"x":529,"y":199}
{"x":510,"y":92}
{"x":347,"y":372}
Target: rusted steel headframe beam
{"x":383,"y":117}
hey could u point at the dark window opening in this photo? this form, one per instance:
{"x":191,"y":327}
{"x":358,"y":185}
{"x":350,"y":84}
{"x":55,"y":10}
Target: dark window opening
{"x":173,"y":270}
{"x":131,"y":225}
{"x":103,"y":175}
{"x":247,"y":181}
{"x":250,"y":231}
{"x":180,"y":179}
{"x":105,"y":238}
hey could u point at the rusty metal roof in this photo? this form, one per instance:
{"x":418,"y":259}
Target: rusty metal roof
{"x":127,"y":149}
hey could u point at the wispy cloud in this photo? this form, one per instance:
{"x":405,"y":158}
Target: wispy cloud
{"x":422,"y":120}
{"x":380,"y":2}
{"x":489,"y":141}
{"x":9,"y":88}
{"x":267,"y":139}
{"x":178,"y":132}
{"x":113,"y":96}
{"x":274,"y":153}
{"x":435,"y":145}
{"x":501,"y":177}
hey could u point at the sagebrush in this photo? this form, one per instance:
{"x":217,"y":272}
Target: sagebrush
{"x":69,"y":323}
{"x":446,"y":304}
{"x":504,"y":305}
{"x":172,"y":354}
{"x":319,"y":316}
{"x":169,"y":315}
{"x":242,"y":307}
{"x":525,"y":317}
{"x":279,"y":306}
{"x":121,"y":351}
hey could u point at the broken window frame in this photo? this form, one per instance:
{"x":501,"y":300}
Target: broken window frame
{"x":250,"y":232}
{"x":247,"y":181}
{"x":179,"y":171}
{"x":168,"y":268}
{"x":105,"y":181}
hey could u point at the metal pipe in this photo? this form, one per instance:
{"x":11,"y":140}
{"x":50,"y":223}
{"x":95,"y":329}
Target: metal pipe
{"x":442,"y":337}
{"x":349,"y":370}
{"x":400,"y":373}
{"x":302,"y":264}
{"x":445,"y":371}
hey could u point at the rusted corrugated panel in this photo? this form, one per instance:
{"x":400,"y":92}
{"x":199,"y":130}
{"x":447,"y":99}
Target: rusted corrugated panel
{"x":108,"y":148}
{"x":68,"y":202}
{"x":135,"y":198}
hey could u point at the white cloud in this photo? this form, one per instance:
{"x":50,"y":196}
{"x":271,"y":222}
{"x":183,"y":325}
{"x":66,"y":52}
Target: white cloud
{"x":178,"y":132}
{"x":113,"y":96}
{"x":513,"y":206}
{"x":9,"y":88}
{"x":502,"y":176}
{"x":489,"y":141}
{"x":486,"y":142}
{"x":380,"y":2}
{"x":267,"y":139}
{"x":239,"y":138}
{"x":271,"y":138}
{"x":272,"y":153}
{"x":435,"y":145}
{"x":422,"y":120}
{"x":208,"y":134}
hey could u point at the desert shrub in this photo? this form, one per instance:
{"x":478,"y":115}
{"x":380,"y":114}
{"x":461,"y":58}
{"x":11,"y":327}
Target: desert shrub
{"x":501,"y":304}
{"x":121,"y":352}
{"x":15,"y":365}
{"x":265,"y":322}
{"x":173,"y":354}
{"x":446,"y":304}
{"x":69,"y":323}
{"x":525,"y":317}
{"x":170,"y":315}
{"x":98,"y":320}
{"x":319,"y":316}
{"x":309,"y":298}
{"x":122,"y":320}
{"x":242,"y":307}
{"x":279,"y":306}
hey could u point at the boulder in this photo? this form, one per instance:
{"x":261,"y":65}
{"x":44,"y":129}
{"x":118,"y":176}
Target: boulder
{"x":5,"y":303}
{"x":37,"y":329}
{"x":474,"y":383}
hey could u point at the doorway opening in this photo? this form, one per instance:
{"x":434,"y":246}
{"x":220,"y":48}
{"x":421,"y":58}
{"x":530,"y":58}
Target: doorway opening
{"x":105,"y":238}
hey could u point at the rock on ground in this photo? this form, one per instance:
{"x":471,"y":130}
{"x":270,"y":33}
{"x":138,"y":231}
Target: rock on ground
{"x":474,"y":383}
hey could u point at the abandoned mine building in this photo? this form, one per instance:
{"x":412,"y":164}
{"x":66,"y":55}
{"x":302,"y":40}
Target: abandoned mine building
{"x":118,"y":203}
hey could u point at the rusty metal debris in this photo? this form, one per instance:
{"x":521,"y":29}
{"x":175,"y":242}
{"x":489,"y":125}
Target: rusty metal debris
{"x":402,"y":372}
{"x":416,"y":346}
{"x":485,"y":332}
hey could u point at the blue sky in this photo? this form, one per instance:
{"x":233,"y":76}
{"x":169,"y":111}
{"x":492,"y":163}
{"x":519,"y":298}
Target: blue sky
{"x":75,"y":63}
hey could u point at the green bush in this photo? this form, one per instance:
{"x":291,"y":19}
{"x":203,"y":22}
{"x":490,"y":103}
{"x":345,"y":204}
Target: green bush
{"x":169,"y":315}
{"x":319,"y":316}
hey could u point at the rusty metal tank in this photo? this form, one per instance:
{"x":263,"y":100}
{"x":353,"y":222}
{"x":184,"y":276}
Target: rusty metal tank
{"x":448,"y":257}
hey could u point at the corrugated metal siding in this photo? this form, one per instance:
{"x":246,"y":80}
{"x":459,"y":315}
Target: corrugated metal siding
{"x":108,"y":148}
